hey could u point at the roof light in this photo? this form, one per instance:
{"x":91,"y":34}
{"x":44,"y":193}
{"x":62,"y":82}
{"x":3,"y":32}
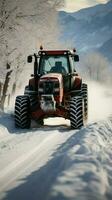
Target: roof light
{"x":74,"y":50}
{"x":41,"y":47}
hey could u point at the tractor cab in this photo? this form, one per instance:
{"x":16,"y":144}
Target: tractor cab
{"x":60,"y":61}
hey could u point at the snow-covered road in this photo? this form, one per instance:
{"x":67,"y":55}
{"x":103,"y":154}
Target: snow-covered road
{"x":23,"y":152}
{"x":54,"y":162}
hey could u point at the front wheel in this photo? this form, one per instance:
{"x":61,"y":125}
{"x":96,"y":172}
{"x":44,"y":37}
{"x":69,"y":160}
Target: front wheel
{"x":77,"y":112}
{"x":22,"y":112}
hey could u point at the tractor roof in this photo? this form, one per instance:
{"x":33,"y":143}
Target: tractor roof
{"x":54,"y":52}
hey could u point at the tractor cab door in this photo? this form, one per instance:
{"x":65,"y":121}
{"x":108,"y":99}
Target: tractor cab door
{"x":66,"y":73}
{"x":69,"y":76}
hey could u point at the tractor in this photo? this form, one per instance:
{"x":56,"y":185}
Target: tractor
{"x":55,"y":90}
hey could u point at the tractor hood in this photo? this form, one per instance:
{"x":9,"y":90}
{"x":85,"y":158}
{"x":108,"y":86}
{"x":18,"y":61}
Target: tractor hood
{"x":51,"y":83}
{"x":51,"y":76}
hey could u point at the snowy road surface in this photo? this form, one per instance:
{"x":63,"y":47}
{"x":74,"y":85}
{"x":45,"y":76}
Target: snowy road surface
{"x":54,"y":162}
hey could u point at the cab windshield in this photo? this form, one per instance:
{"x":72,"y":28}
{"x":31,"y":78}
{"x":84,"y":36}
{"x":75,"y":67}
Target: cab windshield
{"x":54,"y":64}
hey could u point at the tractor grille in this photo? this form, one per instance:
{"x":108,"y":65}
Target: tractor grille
{"x":49,"y":87}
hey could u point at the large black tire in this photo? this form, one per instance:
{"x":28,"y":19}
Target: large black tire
{"x":84,"y":93}
{"x":22,"y":112}
{"x":76,"y":112}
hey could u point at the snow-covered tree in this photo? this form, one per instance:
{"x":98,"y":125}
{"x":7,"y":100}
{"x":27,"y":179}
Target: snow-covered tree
{"x":24,"y":25}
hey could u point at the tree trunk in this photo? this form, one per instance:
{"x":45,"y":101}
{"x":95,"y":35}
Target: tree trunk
{"x":5,"y":87}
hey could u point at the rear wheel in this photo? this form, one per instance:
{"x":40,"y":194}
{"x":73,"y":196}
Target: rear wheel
{"x":22,"y":112}
{"x":76,"y":112}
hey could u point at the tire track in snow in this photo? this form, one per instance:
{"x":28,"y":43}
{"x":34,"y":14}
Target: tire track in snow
{"x":30,"y":161}
{"x":7,"y":139}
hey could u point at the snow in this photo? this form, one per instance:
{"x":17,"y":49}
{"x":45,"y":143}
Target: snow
{"x":56,"y":163}
{"x":18,"y":155}
{"x":89,"y":164}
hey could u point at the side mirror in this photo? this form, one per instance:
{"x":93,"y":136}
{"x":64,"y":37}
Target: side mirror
{"x":29,"y":59}
{"x":76,"y":58}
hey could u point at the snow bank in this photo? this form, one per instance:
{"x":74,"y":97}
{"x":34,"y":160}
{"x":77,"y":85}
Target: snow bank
{"x":86,"y":158}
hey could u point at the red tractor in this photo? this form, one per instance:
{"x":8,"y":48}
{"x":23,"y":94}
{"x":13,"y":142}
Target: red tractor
{"x":55,"y":90}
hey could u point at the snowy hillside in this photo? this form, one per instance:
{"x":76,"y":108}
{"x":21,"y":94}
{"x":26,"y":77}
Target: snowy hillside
{"x":88,"y":13}
{"x":106,"y":49}
{"x":88,"y":29}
